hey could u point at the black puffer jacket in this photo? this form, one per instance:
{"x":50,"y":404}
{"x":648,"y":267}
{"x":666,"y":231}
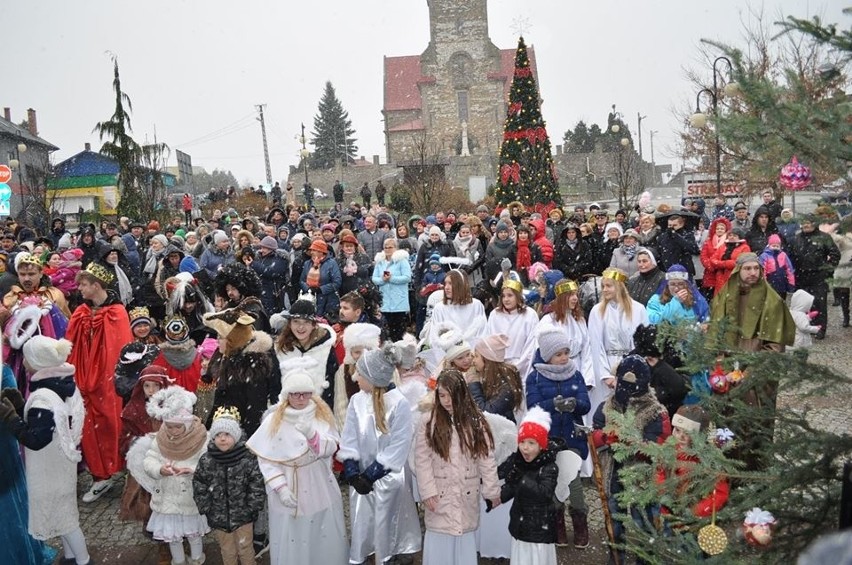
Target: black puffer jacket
{"x":228,"y":487}
{"x":814,"y":255}
{"x":677,"y":248}
{"x":576,"y":262}
{"x":532,"y":485}
{"x":246,"y":379}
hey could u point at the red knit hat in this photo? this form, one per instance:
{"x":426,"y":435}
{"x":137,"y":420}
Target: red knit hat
{"x":535,"y":425}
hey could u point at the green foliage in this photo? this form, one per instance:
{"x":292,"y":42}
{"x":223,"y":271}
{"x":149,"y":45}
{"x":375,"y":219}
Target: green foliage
{"x":800,"y":463}
{"x":526,"y":172}
{"x":121,"y":146}
{"x":333,"y":137}
{"x":219,"y":178}
{"x":400,"y":199}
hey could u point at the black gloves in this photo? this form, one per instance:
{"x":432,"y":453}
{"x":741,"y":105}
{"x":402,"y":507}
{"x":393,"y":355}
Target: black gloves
{"x":351,"y":469}
{"x":565,"y":404}
{"x":488,"y":505}
{"x":361,"y":484}
{"x":15,"y":397}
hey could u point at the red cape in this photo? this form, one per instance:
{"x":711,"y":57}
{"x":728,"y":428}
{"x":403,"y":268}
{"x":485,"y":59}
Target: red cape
{"x":98,"y":340}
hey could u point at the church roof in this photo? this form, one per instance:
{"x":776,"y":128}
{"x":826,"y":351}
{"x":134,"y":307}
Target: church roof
{"x":402,"y":76}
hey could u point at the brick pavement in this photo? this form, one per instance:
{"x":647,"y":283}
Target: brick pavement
{"x":112,"y":541}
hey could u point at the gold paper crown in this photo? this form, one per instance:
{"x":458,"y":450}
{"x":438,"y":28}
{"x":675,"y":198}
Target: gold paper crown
{"x":100,"y":272}
{"x":227,"y":412}
{"x":615,"y":274}
{"x":566,"y":286}
{"x":139,"y":312}
{"x":514,"y":285}
{"x":26,"y":258}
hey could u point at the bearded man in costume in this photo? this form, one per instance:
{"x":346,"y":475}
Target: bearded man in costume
{"x":757,"y":320}
{"x":99,"y":329}
{"x":30,"y":306}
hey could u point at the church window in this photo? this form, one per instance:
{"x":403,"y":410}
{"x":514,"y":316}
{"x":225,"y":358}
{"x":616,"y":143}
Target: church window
{"x":461,"y":96}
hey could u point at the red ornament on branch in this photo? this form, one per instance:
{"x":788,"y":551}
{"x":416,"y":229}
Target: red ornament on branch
{"x":795,"y":175}
{"x":515,"y":107}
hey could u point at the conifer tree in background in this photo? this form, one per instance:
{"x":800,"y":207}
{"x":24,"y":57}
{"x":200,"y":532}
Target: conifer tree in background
{"x":333,"y":137}
{"x":526,"y":171}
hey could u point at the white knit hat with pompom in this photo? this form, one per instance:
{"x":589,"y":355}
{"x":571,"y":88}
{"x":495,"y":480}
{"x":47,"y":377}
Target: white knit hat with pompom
{"x":42,"y":352}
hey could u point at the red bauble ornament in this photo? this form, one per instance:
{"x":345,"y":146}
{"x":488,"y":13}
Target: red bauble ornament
{"x":718,"y":380}
{"x":795,"y":175}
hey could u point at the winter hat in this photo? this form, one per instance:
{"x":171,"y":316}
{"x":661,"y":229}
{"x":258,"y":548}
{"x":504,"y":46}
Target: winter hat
{"x":226,"y":420}
{"x":744,"y":258}
{"x":677,"y":273}
{"x":408,"y":348}
{"x":434,"y":259}
{"x":64,"y":241}
{"x":648,"y":253}
{"x":154,"y":371}
{"x":41,"y":352}
{"x":692,"y":418}
{"x":188,"y":265}
{"x":501,"y":226}
{"x":208,"y":347}
{"x":378,"y":365}
{"x":435,"y":230}
{"x":135,"y":358}
{"x":161,"y":239}
{"x":633,"y":378}
{"x":451,"y":340}
{"x":629,"y":232}
{"x":297,"y":375}
{"x":645,"y":341}
{"x":551,"y":341}
{"x":319,"y":246}
{"x":535,"y":426}
{"x":269,"y":242}
{"x":361,"y":335}
{"x":304,"y":308}
{"x":172,"y":405}
{"x":774,"y":239}
{"x":176,"y":330}
{"x":348,"y":238}
{"x":219,"y":236}
{"x":139,"y":315}
{"x":328,"y":227}
{"x":493,"y":347}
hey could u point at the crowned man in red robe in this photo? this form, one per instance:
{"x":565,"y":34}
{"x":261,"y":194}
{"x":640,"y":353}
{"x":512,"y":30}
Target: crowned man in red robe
{"x":99,"y":328}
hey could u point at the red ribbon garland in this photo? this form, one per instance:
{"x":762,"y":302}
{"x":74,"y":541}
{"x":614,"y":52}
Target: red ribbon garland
{"x":515,"y":107}
{"x":523,"y":72}
{"x":532,"y":135}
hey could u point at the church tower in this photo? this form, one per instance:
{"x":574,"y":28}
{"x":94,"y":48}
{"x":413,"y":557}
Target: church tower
{"x":460,"y":78}
{"x":463,"y":61}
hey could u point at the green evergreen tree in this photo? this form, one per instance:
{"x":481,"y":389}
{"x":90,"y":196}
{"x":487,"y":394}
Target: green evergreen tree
{"x":333,"y":137}
{"x":526,"y":171}
{"x":799,"y":480}
{"x":121,"y":146}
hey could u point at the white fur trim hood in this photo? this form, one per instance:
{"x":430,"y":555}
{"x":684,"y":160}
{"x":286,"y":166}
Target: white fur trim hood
{"x":398,"y":256}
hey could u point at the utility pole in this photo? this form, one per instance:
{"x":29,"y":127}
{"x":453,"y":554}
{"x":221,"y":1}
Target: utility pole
{"x":304,"y":140}
{"x":640,"y":118}
{"x":653,"y":164}
{"x":265,"y":146}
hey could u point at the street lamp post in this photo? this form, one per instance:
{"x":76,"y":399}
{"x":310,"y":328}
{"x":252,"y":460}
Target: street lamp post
{"x":699,"y":119}
{"x":16,"y":165}
{"x":639,"y":118}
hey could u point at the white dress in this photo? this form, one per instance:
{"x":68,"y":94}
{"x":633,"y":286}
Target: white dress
{"x":384,"y":522}
{"x":533,"y":553}
{"x":611,"y":338}
{"x":519,"y":327}
{"x":314,"y":531}
{"x":470,"y":318}
{"x":52,"y":471}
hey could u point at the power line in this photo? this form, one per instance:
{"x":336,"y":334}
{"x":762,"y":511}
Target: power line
{"x":219,"y":132}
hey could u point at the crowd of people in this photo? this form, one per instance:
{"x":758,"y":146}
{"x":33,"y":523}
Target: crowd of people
{"x":238,"y":367}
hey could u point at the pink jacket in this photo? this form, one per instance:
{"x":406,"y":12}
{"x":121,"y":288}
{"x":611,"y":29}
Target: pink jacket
{"x":456,"y":483}
{"x":64,"y":277}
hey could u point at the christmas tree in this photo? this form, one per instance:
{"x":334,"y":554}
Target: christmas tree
{"x":527,"y":173}
{"x":800,"y":457}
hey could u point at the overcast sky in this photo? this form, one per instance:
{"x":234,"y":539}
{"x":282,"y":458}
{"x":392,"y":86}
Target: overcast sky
{"x":195,"y":69}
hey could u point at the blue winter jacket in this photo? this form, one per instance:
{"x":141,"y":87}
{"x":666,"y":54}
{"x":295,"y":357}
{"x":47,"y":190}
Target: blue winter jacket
{"x":132,"y":254}
{"x":328,"y":302}
{"x":395,"y":291}
{"x":541,"y":390}
{"x":673,"y":311}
